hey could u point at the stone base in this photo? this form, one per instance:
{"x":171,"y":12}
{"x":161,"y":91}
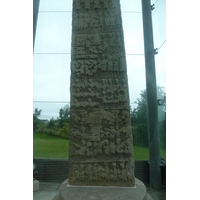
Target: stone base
{"x":36,"y":185}
{"x":68,"y":192}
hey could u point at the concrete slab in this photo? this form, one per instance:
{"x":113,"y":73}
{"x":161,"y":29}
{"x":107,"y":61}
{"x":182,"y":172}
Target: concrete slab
{"x":47,"y":191}
{"x":36,"y":185}
{"x":156,"y":194}
{"x":149,"y":197}
{"x":68,"y":192}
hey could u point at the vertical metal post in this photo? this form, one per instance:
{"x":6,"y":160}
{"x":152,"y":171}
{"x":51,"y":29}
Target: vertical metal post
{"x":151,"y":89}
{"x":35,"y":16}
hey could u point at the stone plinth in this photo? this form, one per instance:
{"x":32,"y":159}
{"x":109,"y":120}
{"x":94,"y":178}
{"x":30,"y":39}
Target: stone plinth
{"x":67,"y":192}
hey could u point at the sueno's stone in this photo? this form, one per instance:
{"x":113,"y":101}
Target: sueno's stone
{"x":100,"y":138}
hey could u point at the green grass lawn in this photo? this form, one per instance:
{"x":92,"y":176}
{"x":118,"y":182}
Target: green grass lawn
{"x":142,"y":153}
{"x":45,"y":146}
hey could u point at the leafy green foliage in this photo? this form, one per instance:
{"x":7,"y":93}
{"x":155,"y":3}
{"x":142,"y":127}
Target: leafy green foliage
{"x":64,"y":115}
{"x":140,"y":134}
{"x":139,"y":120}
{"x":162,"y":130}
{"x":51,"y":124}
{"x":36,"y":121}
{"x":58,"y":127}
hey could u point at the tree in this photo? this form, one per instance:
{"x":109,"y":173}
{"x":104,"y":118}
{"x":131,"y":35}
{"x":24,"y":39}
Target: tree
{"x":63,"y":121}
{"x":141,"y":110}
{"x":51,"y":123}
{"x":139,"y":118}
{"x":161,"y":94}
{"x":37,"y":112}
{"x":64,"y":114}
{"x":36,"y":121}
{"x":57,"y":127}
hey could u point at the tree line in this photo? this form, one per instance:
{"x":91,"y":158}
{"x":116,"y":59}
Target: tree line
{"x":139,"y":121}
{"x":60,"y":126}
{"x":57,"y":127}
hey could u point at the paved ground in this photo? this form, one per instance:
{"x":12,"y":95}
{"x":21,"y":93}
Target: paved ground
{"x":48,"y":190}
{"x":156,"y":195}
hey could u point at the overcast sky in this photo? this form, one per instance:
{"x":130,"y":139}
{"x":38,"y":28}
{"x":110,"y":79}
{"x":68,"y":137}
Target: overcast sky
{"x":51,"y":72}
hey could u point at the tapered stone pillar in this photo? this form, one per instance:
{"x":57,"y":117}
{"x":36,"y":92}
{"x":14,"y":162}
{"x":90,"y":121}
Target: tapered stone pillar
{"x":100,"y":137}
{"x":101,"y":163}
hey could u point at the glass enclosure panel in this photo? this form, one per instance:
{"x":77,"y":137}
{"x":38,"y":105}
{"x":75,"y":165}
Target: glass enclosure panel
{"x":51,"y":77}
{"x":137,"y":92}
{"x":136,"y":76}
{"x":131,"y":6}
{"x":159,"y":23}
{"x":55,"y":5}
{"x":51,"y":71}
{"x":133,"y":33}
{"x":159,"y":30}
{"x":50,"y":109}
{"x":160,"y":60}
{"x":51,"y":130}
{"x":53,"y":33}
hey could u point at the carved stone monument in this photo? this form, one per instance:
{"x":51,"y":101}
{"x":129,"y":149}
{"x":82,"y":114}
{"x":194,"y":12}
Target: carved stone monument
{"x":100,"y":137}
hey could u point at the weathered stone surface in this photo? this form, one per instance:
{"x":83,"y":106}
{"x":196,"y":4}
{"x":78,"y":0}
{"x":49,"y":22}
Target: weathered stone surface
{"x":100,"y":138}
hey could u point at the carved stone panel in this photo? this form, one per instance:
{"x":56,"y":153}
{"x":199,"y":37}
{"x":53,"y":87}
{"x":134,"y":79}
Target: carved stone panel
{"x":100,"y":138}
